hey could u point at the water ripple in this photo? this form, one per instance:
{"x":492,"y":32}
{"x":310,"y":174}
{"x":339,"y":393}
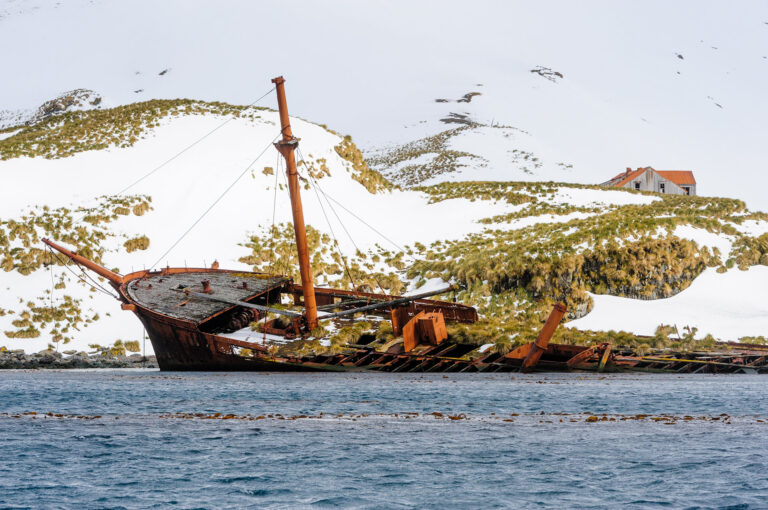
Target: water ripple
{"x":151,"y":440}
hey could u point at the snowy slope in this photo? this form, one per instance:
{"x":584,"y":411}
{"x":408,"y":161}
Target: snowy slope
{"x":237,"y":152}
{"x":674,"y":86}
{"x":184,"y":188}
{"x":728,"y":306}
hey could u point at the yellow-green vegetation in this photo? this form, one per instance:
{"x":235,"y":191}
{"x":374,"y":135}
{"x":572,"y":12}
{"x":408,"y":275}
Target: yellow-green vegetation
{"x":385,"y":333}
{"x":317,"y":168}
{"x":350,"y":334}
{"x":340,"y":340}
{"x":137,"y":243}
{"x":510,"y":192}
{"x":372,"y":180}
{"x":760,"y":340}
{"x":60,"y":320}
{"x":274,"y":252}
{"x":72,"y":132}
{"x":116,"y":349}
{"x":515,"y":193}
{"x":514,"y":276}
{"x":22,"y":251}
{"x":441,"y":159}
{"x":132,"y":345}
{"x":750,"y":251}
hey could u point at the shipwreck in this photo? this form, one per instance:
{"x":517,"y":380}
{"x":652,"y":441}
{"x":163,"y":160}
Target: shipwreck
{"x":203,"y":318}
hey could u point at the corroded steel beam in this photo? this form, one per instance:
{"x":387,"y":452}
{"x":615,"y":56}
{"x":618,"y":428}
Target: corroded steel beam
{"x":452,"y":311}
{"x":583,"y":356}
{"x":113,"y":277}
{"x":287,"y":146}
{"x":605,"y":357}
{"x":542,"y":341}
{"x":262,"y":308}
{"x":387,"y":304}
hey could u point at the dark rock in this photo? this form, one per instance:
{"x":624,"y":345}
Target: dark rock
{"x":54,"y":360}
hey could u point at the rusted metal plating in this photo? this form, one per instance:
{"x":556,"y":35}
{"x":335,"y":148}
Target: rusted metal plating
{"x":545,"y":335}
{"x":114,"y":278}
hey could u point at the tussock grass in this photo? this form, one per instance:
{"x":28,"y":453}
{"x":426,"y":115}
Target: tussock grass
{"x":67,"y":134}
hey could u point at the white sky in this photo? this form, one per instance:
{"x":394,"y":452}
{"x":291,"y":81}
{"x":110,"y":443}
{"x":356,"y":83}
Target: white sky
{"x":372,"y":68}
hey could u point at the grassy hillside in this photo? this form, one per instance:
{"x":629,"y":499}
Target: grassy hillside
{"x":513,"y":276}
{"x":71,"y":132}
{"x":539,"y":243}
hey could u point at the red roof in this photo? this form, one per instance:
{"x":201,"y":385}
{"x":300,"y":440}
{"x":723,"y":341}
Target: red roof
{"x":628,"y":176}
{"x":679,"y":177}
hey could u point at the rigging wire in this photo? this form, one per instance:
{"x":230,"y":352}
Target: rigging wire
{"x":209,"y":133}
{"x":94,"y":282}
{"x":330,"y":227}
{"x":273,"y":256}
{"x":50,"y":267}
{"x":329,"y":197}
{"x":315,"y":187}
{"x":50,"y":298}
{"x":84,"y":279}
{"x":182,"y":151}
{"x":343,"y":226}
{"x":210,"y":207}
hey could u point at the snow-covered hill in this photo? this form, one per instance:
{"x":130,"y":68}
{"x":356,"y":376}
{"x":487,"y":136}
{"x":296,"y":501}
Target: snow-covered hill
{"x":43,"y":193}
{"x":515,"y":94}
{"x":471,"y":152}
{"x":125,"y":183}
{"x":671,"y":85}
{"x":70,"y":101}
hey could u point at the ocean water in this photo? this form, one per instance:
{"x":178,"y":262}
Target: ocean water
{"x":147,"y":439}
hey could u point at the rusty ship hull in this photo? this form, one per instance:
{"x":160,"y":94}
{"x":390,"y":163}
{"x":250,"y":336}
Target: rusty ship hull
{"x":188,"y":333}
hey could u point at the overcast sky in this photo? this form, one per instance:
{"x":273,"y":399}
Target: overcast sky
{"x":374,"y":69}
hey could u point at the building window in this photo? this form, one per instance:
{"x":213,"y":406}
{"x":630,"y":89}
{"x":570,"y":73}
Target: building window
{"x":661,"y":187}
{"x":637,"y":185}
{"x":687,"y":190}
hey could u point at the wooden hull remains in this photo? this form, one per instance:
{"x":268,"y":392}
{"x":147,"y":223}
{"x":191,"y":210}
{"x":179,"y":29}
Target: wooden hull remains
{"x":183,"y":346}
{"x":190,"y":333}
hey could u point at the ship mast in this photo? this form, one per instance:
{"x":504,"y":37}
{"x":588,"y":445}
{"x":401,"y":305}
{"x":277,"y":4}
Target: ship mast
{"x":287,"y":146}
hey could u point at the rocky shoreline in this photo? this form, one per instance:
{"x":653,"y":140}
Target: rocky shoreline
{"x":18,"y":359}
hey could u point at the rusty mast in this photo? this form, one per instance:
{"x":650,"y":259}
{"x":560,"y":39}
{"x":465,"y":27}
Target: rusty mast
{"x":287,"y":146}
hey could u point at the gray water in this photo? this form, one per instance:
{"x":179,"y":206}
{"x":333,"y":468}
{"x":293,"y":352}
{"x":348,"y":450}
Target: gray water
{"x":146,"y":439}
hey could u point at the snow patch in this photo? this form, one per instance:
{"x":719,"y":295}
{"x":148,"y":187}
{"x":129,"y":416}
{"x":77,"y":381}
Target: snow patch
{"x":728,"y":306}
{"x":703,"y":238}
{"x":9,"y":134}
{"x":587,"y":197}
{"x":428,"y":286}
{"x":753,"y":228}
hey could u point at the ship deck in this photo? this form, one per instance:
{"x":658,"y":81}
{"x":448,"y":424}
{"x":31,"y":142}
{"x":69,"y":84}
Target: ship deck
{"x":163,"y":293}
